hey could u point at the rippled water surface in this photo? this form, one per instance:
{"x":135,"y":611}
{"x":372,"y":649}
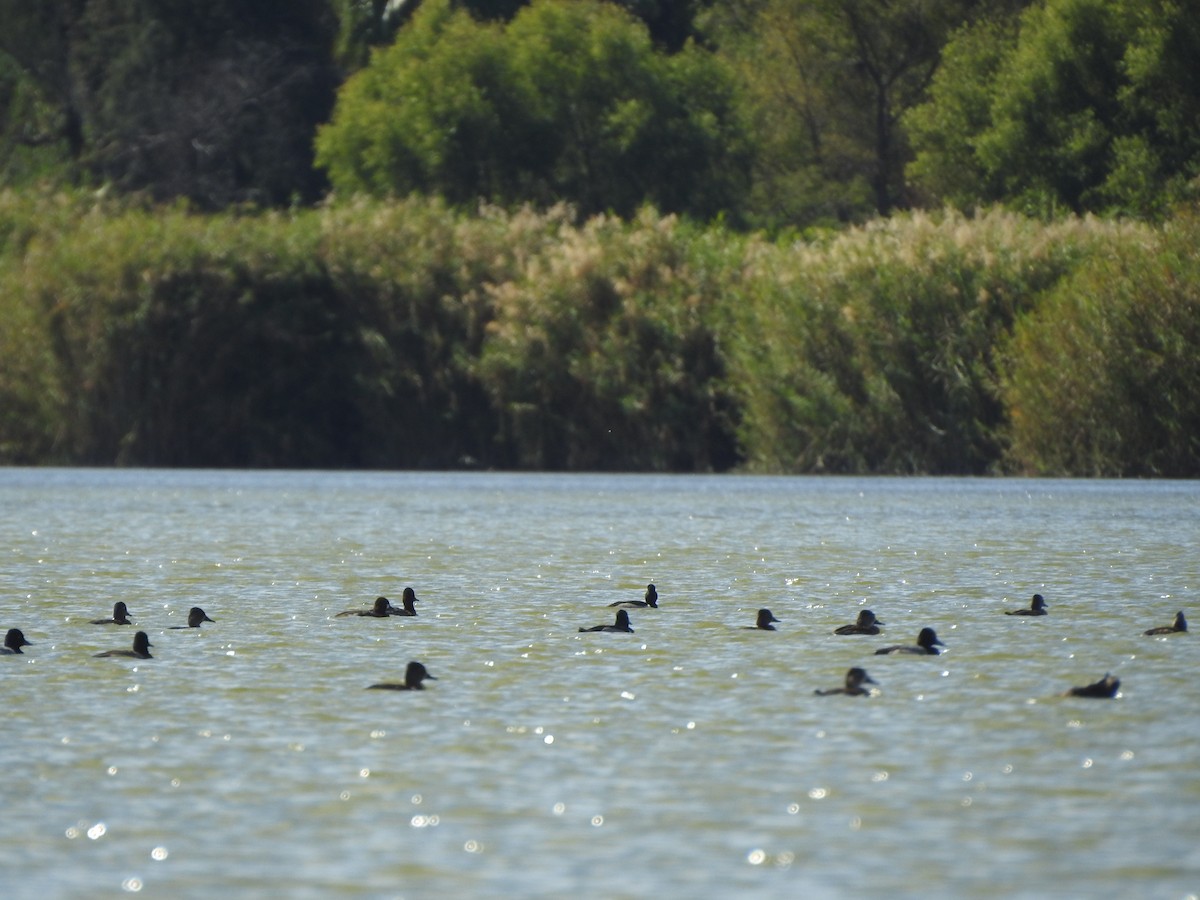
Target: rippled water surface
{"x":690,"y":759}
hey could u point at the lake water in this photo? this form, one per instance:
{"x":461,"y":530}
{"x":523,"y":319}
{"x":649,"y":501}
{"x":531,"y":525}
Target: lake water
{"x":690,"y":759}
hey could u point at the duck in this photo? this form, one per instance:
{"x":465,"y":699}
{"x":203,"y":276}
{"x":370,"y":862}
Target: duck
{"x":763,"y":621}
{"x":1105,"y":688}
{"x":381,"y":609}
{"x":195,"y":616}
{"x":1179,"y":625}
{"x":14,"y":640}
{"x":622,"y":624}
{"x":406,"y":601}
{"x":141,"y":648}
{"x":120,"y":616}
{"x":866,"y":623}
{"x":651,"y":601}
{"x":413,"y":676}
{"x":927,"y":645}
{"x":855,"y":679}
{"x":1037,"y":607}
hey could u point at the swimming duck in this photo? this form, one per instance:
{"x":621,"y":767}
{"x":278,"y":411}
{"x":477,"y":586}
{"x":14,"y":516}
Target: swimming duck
{"x":866,"y":623}
{"x":1180,"y":624}
{"x":763,"y":622}
{"x":120,"y":616}
{"x":407,"y":601}
{"x":413,"y":676}
{"x":141,"y":648}
{"x":855,"y":679}
{"x":381,"y":609}
{"x":13,"y":642}
{"x":195,"y":616}
{"x":1104,"y":688}
{"x":927,"y":645}
{"x":622,"y":624}
{"x":651,"y":601}
{"x":1037,"y":607}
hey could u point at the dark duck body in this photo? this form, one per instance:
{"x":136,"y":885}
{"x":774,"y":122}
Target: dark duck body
{"x":195,"y":616}
{"x":120,"y":616}
{"x":764,"y":621}
{"x":1176,"y":627}
{"x":413,"y":676}
{"x":406,"y":605}
{"x":650,"y":601}
{"x":855,"y":679}
{"x":14,"y":640}
{"x":621,"y":624}
{"x":141,"y":648}
{"x":866,"y":623}
{"x":1104,"y":689}
{"x":1037,"y":607}
{"x":927,"y":645}
{"x":381,"y":609}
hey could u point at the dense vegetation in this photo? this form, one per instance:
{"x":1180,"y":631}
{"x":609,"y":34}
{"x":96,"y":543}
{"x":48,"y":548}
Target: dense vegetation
{"x":405,"y":334}
{"x":673,"y":236}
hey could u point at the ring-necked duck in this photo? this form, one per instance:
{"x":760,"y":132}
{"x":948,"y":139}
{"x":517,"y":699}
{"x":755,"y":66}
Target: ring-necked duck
{"x":650,"y":602}
{"x":195,"y":616}
{"x":120,"y":616}
{"x":141,"y":648}
{"x":865,"y":624}
{"x":13,"y":642}
{"x":1037,"y":607}
{"x":380,"y":610}
{"x":1104,"y":688}
{"x":622,"y":624}
{"x":763,"y":621}
{"x":855,"y":679}
{"x":413,"y":676}
{"x":1180,"y":624}
{"x":927,"y":645}
{"x":407,"y":601}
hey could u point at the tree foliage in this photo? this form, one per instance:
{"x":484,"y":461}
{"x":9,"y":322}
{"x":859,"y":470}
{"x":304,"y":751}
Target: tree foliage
{"x":566,"y":102}
{"x":827,"y":83}
{"x":215,"y":101}
{"x":1092,"y":105}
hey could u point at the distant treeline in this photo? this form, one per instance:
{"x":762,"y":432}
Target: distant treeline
{"x":410,"y":334}
{"x":767,"y":115}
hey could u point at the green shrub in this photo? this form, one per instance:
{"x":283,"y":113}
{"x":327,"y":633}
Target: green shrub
{"x":1102,"y":377}
{"x":409,"y":334}
{"x":603,"y":353}
{"x":873,"y":351}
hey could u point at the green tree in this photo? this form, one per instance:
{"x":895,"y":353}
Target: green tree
{"x":827,"y":83}
{"x":944,"y":130}
{"x":215,"y":101}
{"x":1055,"y":110}
{"x":566,"y":102}
{"x":428,"y":113}
{"x":37,"y":104}
{"x":1091,"y":106}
